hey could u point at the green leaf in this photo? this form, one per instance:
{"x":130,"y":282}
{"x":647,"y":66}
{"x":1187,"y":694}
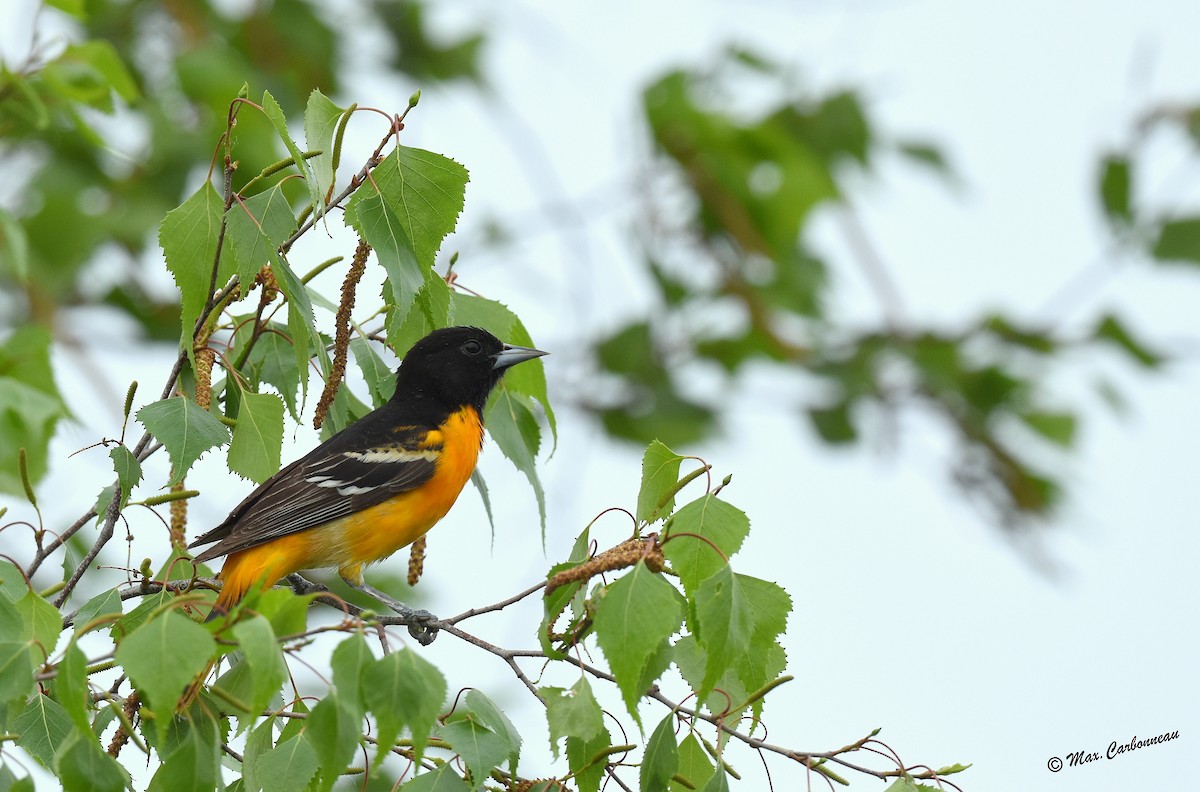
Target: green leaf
{"x":1179,"y":240}
{"x":1115,"y":188}
{"x":255,"y":228}
{"x":718,"y":783}
{"x":484,"y":710}
{"x":481,"y":749}
{"x":30,"y":405}
{"x":264,"y":659}
{"x":16,"y":663}
{"x":288,"y":766}
{"x":662,"y":757}
{"x":42,"y":623}
{"x":258,"y":742}
{"x":163,"y":656}
{"x":44,"y":726}
{"x":190,"y":751}
{"x":12,"y":584}
{"x":571,"y":713}
{"x":1057,"y":427}
{"x":1114,"y":331}
{"x":275,"y":115}
{"x":334,"y":728}
{"x":582,"y":759}
{"x":128,"y":469}
{"x":660,"y":474}
{"x":511,"y":423}
{"x":928,"y":155}
{"x":711,"y":519}
{"x":83,"y":764}
{"x":321,"y":117}
{"x":443,"y":779}
{"x":257,"y":437}
{"x":14,"y":248}
{"x":693,"y":765}
{"x":411,"y":204}
{"x":351,"y":662}
{"x":301,"y":320}
{"x":379,"y":378}
{"x":70,"y":687}
{"x":404,"y":689}
{"x":188,"y":236}
{"x":103,"y":604}
{"x":723,"y":625}
{"x":185,"y":428}
{"x":635,"y":615}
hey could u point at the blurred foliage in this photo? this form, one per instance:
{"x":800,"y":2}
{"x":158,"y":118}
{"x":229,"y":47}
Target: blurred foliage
{"x":755,"y":178}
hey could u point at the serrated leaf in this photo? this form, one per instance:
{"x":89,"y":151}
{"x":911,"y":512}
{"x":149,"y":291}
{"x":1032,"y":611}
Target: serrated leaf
{"x":185,"y":428}
{"x":723,"y":625}
{"x":70,"y":687}
{"x":321,"y":117}
{"x":484,"y":710}
{"x":404,"y":689}
{"x":381,"y":382}
{"x":190,"y":751}
{"x":275,"y":115}
{"x":255,"y":228}
{"x":288,"y":766}
{"x":300,"y":320}
{"x":661,"y":760}
{"x":16,"y":665}
{"x":163,"y":656}
{"x":511,"y":423}
{"x":411,"y":204}
{"x":188,"y":236}
{"x":571,"y":712}
{"x":693,"y":765}
{"x":83,"y":764}
{"x":711,"y":519}
{"x":350,"y":662}
{"x":334,"y":728}
{"x":529,"y":378}
{"x":263,"y":658}
{"x":480,"y":748}
{"x":257,"y":437}
{"x":43,"y":725}
{"x":580,"y":755}
{"x":128,"y":469}
{"x":258,"y":742}
{"x":103,"y":604}
{"x":660,"y":474}
{"x":635,"y":616}
{"x":41,"y":624}
{"x":443,"y":779}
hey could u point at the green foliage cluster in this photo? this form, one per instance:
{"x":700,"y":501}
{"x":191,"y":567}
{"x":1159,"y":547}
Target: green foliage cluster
{"x":389,"y":718}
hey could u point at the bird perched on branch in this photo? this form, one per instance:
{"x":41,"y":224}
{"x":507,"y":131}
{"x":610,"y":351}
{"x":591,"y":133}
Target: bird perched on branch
{"x":376,"y":486}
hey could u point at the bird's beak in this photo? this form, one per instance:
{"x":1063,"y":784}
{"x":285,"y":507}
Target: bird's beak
{"x":512,"y":355}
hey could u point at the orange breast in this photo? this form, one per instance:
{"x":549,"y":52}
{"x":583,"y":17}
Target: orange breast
{"x":371,"y":534}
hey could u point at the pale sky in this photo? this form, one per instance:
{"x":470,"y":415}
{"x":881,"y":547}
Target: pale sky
{"x":911,"y":612}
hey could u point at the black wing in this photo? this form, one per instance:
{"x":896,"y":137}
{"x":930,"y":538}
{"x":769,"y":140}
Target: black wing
{"x":331,"y":482}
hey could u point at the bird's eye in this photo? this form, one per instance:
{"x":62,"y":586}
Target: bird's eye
{"x":472,"y":347}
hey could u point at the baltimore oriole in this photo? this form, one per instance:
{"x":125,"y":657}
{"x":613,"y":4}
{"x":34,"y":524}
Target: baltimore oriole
{"x":377,"y":485}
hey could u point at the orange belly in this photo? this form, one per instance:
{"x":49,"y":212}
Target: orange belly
{"x":364,"y":537}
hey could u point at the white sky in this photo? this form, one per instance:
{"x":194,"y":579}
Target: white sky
{"x":911,"y":612}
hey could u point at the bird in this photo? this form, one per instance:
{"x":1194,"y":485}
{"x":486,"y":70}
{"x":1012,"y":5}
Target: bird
{"x":377,"y":485}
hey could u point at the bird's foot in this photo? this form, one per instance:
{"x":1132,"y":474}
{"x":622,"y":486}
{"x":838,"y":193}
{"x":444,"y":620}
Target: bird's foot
{"x":421,"y":623}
